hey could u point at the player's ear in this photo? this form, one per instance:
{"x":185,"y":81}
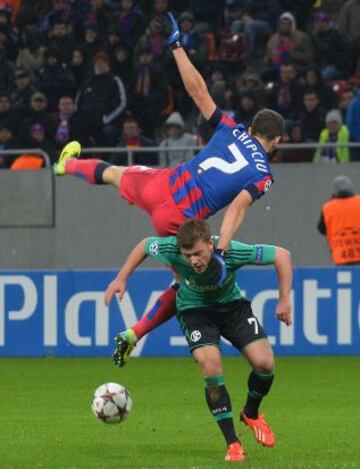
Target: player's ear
{"x":250,"y":131}
{"x":277,"y":140}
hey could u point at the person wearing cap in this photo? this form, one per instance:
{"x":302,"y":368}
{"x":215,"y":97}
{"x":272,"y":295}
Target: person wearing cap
{"x":38,"y":114}
{"x":288,"y":43}
{"x":24,"y":89}
{"x":37,"y":138}
{"x":176,"y":137}
{"x":101,"y":101}
{"x":335,"y":132}
{"x":340,"y":222}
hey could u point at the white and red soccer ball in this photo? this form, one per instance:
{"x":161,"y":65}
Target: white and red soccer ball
{"x":111,"y":403}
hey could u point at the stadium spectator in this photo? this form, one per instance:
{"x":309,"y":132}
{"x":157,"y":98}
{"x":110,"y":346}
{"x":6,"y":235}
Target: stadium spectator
{"x":92,"y":43}
{"x":176,"y":137}
{"x":247,"y":107}
{"x":335,"y":132}
{"x":345,"y":96}
{"x":67,"y":123}
{"x":24,"y":89}
{"x":154,"y":41}
{"x":37,"y":138}
{"x":331,"y":53}
{"x":6,"y":73}
{"x":9,"y":41}
{"x":60,"y":10}
{"x":7,"y":114}
{"x":101,"y":102}
{"x":54,"y":79}
{"x":241,"y":20}
{"x":77,"y":66}
{"x":150,"y":91}
{"x":209,"y":13}
{"x":113,"y":39}
{"x":297,"y":155}
{"x":131,"y":138}
{"x":28,"y":13}
{"x":326,"y":94}
{"x":99,"y":13}
{"x":288,"y":43}
{"x":122,"y":65}
{"x":340,"y":222}
{"x":300,"y":9}
{"x":354,"y":80}
{"x":38,"y":114}
{"x":131,"y":21}
{"x":61,"y":40}
{"x":31,"y":50}
{"x":312,"y":117}
{"x":349,"y":20}
{"x":7,"y":142}
{"x":284,"y":94}
{"x":251,"y":80}
{"x":206,"y":311}
{"x":353,"y":124}
{"x":192,"y":39}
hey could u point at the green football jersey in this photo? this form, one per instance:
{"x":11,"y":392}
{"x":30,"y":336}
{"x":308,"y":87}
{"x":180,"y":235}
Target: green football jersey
{"x":198,"y":289}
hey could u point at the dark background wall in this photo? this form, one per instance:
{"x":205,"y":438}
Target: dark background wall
{"x":93,"y":228}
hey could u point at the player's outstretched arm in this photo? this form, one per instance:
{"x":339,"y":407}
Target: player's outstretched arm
{"x":193,"y":81}
{"x":283,"y":265}
{"x":233,"y":218}
{"x":118,"y":285}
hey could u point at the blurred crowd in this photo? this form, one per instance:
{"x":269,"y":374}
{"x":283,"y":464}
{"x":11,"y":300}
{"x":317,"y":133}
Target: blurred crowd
{"x":100,"y":71}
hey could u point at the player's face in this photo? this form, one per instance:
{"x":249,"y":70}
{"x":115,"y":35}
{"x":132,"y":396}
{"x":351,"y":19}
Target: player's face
{"x":199,"y":255}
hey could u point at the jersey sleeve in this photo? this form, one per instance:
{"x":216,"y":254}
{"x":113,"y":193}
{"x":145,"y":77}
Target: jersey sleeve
{"x":240,"y":254}
{"x":161,"y":249}
{"x":260,"y":187}
{"x":221,"y":120}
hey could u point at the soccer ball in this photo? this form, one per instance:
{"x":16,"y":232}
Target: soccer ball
{"x":111,"y":403}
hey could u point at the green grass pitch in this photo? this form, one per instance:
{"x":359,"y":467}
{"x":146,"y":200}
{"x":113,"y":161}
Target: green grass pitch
{"x":46,"y":420}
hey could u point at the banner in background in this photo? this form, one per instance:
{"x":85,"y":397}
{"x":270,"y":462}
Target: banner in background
{"x":62,"y":313}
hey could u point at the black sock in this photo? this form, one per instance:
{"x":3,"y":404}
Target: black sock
{"x":100,"y":168}
{"x":218,"y":401}
{"x":259,"y":385}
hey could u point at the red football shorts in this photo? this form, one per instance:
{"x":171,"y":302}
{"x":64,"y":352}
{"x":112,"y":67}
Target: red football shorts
{"x":149,"y":190}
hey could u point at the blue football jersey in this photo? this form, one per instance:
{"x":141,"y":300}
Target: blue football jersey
{"x":230,"y":162}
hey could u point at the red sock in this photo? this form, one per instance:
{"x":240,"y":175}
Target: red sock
{"x":90,"y":170}
{"x":164,"y":309}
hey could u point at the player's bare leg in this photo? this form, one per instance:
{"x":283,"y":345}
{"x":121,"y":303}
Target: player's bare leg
{"x":260,"y":356}
{"x":94,"y":171}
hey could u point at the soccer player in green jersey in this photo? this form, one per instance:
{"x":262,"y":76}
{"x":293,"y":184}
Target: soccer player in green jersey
{"x":207,"y":311}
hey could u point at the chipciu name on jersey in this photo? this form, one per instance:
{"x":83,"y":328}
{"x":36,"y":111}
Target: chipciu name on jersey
{"x":232,"y":161}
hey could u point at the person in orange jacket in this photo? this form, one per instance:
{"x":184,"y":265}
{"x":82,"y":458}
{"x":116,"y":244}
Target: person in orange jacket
{"x":340,"y":222}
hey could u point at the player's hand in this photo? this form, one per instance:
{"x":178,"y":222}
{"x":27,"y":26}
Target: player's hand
{"x":116,"y":287}
{"x":217,"y":267}
{"x":283,"y":311}
{"x":169,"y":28}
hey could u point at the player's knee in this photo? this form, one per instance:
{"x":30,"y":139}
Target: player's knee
{"x":209,"y":364}
{"x":265,"y":364}
{"x":113,"y":174}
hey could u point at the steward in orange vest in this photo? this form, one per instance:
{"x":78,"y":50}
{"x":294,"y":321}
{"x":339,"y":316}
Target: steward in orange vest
{"x":340,"y":222}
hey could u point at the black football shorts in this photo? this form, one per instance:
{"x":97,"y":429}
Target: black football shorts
{"x":234,"y":321}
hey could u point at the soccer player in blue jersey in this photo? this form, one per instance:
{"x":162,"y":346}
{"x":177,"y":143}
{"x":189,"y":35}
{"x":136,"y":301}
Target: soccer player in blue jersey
{"x":207,"y":311}
{"x":232,"y":169}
